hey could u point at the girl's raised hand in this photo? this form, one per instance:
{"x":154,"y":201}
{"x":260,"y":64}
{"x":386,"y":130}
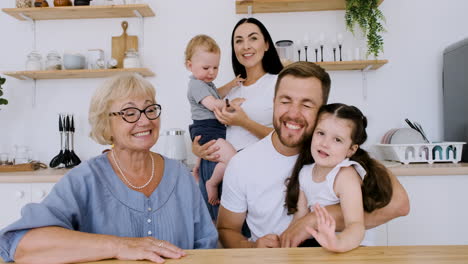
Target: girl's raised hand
{"x":325,"y":232}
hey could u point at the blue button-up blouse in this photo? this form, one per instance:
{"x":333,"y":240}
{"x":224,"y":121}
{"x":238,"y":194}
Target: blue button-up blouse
{"x":92,"y":198}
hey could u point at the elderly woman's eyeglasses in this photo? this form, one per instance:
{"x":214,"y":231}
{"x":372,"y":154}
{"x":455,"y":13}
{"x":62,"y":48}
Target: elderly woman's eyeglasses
{"x":133,"y":114}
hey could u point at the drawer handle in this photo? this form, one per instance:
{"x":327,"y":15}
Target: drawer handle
{"x":41,"y":194}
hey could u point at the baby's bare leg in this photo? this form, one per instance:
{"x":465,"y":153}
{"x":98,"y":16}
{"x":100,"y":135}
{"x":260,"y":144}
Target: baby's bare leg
{"x":226,"y":152}
{"x":213,"y":182}
{"x":196,"y":170}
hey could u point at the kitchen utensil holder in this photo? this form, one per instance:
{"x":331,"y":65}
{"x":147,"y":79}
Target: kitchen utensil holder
{"x":426,"y":153}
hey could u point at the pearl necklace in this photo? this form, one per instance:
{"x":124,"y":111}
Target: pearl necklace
{"x":125,"y":178}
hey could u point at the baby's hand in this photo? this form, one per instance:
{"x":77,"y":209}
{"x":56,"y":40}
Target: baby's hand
{"x":237,"y":81}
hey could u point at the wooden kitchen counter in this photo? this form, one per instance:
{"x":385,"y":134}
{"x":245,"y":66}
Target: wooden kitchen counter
{"x":363,"y":255}
{"x":41,"y":175}
{"x":423,"y":169}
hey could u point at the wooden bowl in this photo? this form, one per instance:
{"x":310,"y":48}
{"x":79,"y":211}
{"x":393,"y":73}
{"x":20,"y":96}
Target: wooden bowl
{"x":62,"y":3}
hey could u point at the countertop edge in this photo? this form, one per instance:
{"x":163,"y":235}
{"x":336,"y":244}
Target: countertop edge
{"x":436,"y":169}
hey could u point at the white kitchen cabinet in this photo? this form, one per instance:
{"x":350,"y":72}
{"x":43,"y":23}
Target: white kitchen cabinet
{"x":380,"y":233}
{"x":14,"y":196}
{"x":438,"y":214}
{"x":40,"y":190}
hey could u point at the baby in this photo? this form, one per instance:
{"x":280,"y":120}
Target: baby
{"x":202,"y":57}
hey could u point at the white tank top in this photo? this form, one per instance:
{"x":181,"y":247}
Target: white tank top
{"x":323,"y":193}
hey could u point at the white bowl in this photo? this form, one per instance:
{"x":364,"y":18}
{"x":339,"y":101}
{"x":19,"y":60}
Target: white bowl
{"x":74,"y":61}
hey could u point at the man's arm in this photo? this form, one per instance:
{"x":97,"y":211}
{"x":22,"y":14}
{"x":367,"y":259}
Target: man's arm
{"x":398,"y":206}
{"x":230,"y":234}
{"x":230,"y":229}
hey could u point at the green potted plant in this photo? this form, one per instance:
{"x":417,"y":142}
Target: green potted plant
{"x":367,"y":15}
{"x":3,"y":101}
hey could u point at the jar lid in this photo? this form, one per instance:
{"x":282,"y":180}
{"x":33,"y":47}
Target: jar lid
{"x":284,"y":43}
{"x":53,"y":55}
{"x":131,"y":52}
{"x":34,"y":54}
{"x":173,"y":132}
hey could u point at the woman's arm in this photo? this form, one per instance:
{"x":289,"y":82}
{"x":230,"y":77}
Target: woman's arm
{"x":205,"y":151}
{"x":237,"y":117}
{"x":60,"y":245}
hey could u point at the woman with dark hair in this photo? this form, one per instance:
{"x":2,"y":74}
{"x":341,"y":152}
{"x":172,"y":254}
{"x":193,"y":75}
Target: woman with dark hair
{"x":255,"y":59}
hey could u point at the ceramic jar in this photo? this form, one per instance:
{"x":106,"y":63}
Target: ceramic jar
{"x":23,"y":3}
{"x":131,"y":59}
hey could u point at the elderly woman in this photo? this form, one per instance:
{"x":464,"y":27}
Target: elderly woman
{"x":128,"y":204}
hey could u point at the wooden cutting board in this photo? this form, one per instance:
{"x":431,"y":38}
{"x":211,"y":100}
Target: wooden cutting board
{"x":123,"y":43}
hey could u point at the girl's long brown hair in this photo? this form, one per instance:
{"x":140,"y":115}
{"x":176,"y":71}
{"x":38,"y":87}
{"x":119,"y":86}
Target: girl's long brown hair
{"x":377,"y":186}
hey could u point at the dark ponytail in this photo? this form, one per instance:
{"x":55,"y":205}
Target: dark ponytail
{"x":292,"y":183}
{"x":377,"y":186}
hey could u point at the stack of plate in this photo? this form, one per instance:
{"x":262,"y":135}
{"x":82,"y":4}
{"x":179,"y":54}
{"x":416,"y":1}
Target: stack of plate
{"x":402,"y":136}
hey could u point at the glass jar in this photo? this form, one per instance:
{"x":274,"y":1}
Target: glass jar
{"x":23,"y":3}
{"x":34,"y":61}
{"x":54,"y":61}
{"x":131,"y":59}
{"x":22,"y":154}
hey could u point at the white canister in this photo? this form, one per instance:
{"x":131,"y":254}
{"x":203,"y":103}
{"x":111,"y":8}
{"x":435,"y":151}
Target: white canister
{"x":174,"y":144}
{"x":34,"y":61}
{"x":131,"y":59}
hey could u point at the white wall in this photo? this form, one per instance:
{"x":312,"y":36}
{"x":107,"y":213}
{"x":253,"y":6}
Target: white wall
{"x":408,"y":86}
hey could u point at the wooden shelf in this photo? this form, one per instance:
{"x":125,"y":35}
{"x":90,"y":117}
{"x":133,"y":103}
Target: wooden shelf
{"x":80,"y":12}
{"x":73,"y":74}
{"x":275,"y":6}
{"x":352,"y":65}
{"x":348,"y":65}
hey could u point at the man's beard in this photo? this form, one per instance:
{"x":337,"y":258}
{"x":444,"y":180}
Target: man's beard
{"x":290,"y":141}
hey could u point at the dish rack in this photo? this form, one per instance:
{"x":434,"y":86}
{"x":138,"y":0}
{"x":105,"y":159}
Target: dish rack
{"x":425,"y":152}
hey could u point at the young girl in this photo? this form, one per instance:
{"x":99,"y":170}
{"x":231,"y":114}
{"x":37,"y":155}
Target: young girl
{"x":332,"y":179}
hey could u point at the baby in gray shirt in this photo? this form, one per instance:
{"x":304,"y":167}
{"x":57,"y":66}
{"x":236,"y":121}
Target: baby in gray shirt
{"x":202,"y":57}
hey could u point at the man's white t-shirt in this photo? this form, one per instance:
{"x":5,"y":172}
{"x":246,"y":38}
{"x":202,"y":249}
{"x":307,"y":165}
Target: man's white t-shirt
{"x":254,"y":182}
{"x":258,"y":106}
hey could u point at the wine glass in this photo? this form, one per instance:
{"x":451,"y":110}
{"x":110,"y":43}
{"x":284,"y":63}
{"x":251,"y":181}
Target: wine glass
{"x":339,"y":38}
{"x":334,"y":44}
{"x":298,"y":44}
{"x":306,"y":42}
{"x":321,"y":42}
